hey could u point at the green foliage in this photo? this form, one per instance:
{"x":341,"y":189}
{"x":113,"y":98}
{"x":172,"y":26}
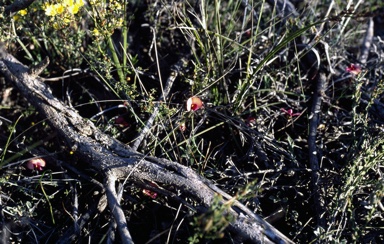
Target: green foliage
{"x":212,"y":224}
{"x":358,"y":202}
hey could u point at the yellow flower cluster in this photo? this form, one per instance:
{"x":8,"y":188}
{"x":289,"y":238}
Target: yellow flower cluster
{"x":19,"y":14}
{"x":102,"y":10}
{"x":65,"y":8}
{"x":62,"y":12}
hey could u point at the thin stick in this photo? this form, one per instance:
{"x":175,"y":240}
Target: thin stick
{"x":313,"y":150}
{"x":175,"y":69}
{"x":116,"y":210}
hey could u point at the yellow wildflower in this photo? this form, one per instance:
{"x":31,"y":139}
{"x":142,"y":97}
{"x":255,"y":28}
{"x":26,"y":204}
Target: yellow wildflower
{"x":95,"y":32}
{"x":68,"y":2}
{"x":23,"y":12}
{"x":80,"y":3}
{"x":50,"y":10}
{"x":74,"y":9}
{"x":71,"y":9}
{"x":59,"y":8}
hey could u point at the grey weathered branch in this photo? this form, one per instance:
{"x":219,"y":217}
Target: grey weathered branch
{"x":118,"y":161}
{"x":18,"y":5}
{"x":116,"y":210}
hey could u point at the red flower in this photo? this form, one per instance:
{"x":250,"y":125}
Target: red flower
{"x":250,"y":121}
{"x":36,"y":163}
{"x":182,"y":126}
{"x":149,"y":193}
{"x":194,"y":103}
{"x":120,"y":122}
{"x":290,"y":113}
{"x":354,"y":69}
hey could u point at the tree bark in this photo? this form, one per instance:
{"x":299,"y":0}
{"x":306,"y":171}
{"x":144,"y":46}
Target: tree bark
{"x":118,"y":161}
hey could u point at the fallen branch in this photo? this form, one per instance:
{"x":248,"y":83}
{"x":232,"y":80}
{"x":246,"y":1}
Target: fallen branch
{"x":118,"y":161}
{"x":18,"y":5}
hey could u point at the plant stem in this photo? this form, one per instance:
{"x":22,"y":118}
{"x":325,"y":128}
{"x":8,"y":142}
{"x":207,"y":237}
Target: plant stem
{"x":115,"y":58}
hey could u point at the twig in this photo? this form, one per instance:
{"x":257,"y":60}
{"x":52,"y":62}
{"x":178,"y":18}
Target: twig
{"x":116,"y":210}
{"x":175,"y":70}
{"x":75,"y":211}
{"x":112,"y":225}
{"x":366,"y":46}
{"x":284,"y":8}
{"x":313,"y":150}
{"x":69,"y":235}
{"x":248,"y":6}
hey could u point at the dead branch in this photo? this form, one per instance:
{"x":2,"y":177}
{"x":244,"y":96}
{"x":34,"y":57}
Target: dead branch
{"x":18,"y":5}
{"x":314,"y":150}
{"x":118,"y":161}
{"x":116,"y":210}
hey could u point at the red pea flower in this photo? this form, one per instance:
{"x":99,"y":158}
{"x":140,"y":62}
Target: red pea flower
{"x":120,"y":122}
{"x":194,"y":103}
{"x":149,"y":193}
{"x":290,"y":113}
{"x":354,"y":69}
{"x":36,"y":163}
{"x":250,"y":121}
